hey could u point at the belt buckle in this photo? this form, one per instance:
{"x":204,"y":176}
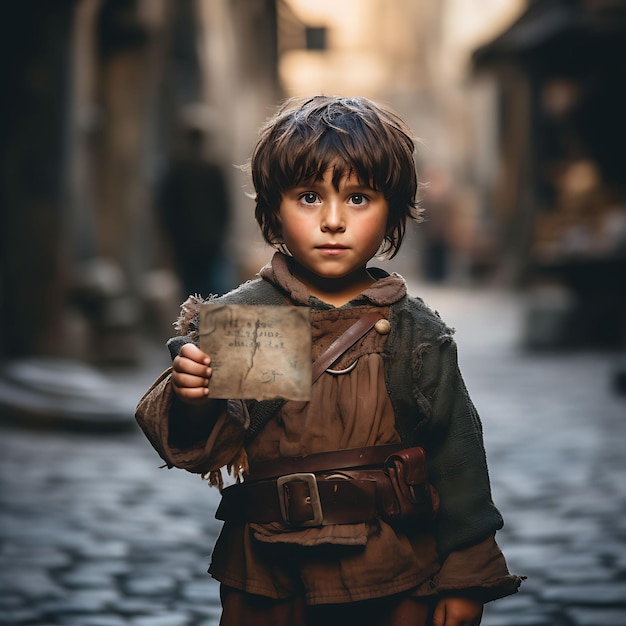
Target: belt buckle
{"x":314,"y":496}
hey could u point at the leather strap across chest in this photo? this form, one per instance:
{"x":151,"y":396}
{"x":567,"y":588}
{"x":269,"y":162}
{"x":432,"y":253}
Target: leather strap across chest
{"x":345,"y":341}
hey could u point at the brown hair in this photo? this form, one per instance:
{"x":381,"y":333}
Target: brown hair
{"x":306,"y":137}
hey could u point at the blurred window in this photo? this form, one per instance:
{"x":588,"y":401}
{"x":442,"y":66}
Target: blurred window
{"x":316,"y":37}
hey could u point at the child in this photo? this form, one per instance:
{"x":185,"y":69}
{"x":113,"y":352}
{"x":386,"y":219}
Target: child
{"x":309,"y":537}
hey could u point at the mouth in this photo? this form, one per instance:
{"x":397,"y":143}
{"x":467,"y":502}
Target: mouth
{"x":331,"y":248}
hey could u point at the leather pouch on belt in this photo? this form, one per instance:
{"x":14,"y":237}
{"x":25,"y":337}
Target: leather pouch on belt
{"x":413,"y":499}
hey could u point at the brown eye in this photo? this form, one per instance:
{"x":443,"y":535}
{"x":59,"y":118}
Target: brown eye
{"x":309,"y":198}
{"x":358,"y":199}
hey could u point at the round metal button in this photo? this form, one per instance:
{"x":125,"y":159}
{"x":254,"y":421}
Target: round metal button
{"x":382,"y":327}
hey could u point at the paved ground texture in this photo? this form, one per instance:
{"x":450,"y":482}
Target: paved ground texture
{"x":92,"y":533}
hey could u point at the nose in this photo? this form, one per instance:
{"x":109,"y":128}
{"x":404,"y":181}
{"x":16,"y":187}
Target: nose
{"x":333,"y":219}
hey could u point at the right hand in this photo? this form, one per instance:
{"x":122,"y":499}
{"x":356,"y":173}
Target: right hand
{"x":191,"y":375}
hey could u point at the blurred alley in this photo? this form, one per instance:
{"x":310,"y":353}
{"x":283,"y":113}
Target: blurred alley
{"x":125,"y":126}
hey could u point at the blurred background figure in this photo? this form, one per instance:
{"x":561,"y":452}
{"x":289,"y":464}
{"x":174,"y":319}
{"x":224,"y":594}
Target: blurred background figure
{"x":437,"y":206}
{"x":194,"y":210}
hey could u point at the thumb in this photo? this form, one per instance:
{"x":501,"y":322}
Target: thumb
{"x":439,"y":616}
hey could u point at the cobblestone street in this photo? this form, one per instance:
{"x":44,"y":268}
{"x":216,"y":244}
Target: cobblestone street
{"x":93,"y":533}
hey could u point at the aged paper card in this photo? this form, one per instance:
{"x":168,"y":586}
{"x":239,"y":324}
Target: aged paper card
{"x":257,"y":352}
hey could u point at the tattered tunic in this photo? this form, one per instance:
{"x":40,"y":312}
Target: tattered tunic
{"x":347,"y":562}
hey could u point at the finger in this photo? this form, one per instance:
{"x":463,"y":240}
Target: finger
{"x":192,"y":393}
{"x":191,"y":351}
{"x":184,"y":365}
{"x":439,"y":616}
{"x":183,"y":380}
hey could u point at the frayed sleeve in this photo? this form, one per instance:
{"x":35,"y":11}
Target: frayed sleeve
{"x":479,"y":571}
{"x":199,"y":443}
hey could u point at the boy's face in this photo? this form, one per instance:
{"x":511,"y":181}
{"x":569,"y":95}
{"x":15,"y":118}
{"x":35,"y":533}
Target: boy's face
{"x":333,"y":233}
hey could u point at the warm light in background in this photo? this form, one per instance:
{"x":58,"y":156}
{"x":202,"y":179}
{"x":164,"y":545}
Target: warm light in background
{"x":375,"y":47}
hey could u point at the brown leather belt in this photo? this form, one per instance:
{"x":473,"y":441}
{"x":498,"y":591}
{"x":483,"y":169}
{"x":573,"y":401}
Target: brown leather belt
{"x":300,"y":500}
{"x":323,"y":461}
{"x":287,"y":490}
